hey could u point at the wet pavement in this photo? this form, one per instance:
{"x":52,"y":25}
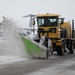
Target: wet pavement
{"x":66,"y":67}
{"x":55,"y":65}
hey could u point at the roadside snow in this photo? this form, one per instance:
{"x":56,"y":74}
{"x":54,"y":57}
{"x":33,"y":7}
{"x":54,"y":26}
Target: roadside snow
{"x":7,"y":59}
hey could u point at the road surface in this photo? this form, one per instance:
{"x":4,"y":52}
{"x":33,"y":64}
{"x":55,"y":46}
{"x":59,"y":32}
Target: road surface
{"x":55,"y":65}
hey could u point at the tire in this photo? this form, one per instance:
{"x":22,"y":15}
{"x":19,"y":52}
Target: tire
{"x":61,"y":49}
{"x":47,"y":54}
{"x":71,"y":48}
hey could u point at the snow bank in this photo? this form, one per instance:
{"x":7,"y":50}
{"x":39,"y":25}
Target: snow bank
{"x":7,"y":59}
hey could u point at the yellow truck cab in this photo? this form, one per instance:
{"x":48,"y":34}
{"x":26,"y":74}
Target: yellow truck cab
{"x":59,"y":32}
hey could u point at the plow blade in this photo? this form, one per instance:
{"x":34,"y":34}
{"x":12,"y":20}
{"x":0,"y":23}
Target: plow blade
{"x":34,"y":49}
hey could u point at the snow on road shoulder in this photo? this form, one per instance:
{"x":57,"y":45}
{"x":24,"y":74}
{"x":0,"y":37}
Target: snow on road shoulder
{"x":7,"y":59}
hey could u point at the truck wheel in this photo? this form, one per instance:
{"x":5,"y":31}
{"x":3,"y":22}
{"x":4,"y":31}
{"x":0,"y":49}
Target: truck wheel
{"x":71,"y":49}
{"x":47,"y":54}
{"x":61,"y":49}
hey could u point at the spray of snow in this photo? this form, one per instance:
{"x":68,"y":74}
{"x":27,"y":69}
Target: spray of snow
{"x":12,"y":45}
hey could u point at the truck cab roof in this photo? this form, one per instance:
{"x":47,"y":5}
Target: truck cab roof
{"x":47,"y":15}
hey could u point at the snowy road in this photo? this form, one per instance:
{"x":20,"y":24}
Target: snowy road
{"x":55,"y":65}
{"x":66,"y":67}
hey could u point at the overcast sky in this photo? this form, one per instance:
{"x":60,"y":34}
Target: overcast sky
{"x":17,"y":8}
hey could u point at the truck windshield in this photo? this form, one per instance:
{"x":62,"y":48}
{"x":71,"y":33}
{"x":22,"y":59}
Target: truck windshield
{"x":47,"y":21}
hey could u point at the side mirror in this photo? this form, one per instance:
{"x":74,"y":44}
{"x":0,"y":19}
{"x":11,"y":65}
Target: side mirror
{"x":61,"y":20}
{"x":33,"y":21}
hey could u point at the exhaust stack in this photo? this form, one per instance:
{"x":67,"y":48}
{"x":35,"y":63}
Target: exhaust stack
{"x":72,"y":28}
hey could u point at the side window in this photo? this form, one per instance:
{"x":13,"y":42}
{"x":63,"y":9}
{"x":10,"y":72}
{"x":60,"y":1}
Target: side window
{"x":40,"y":22}
{"x":53,"y":20}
